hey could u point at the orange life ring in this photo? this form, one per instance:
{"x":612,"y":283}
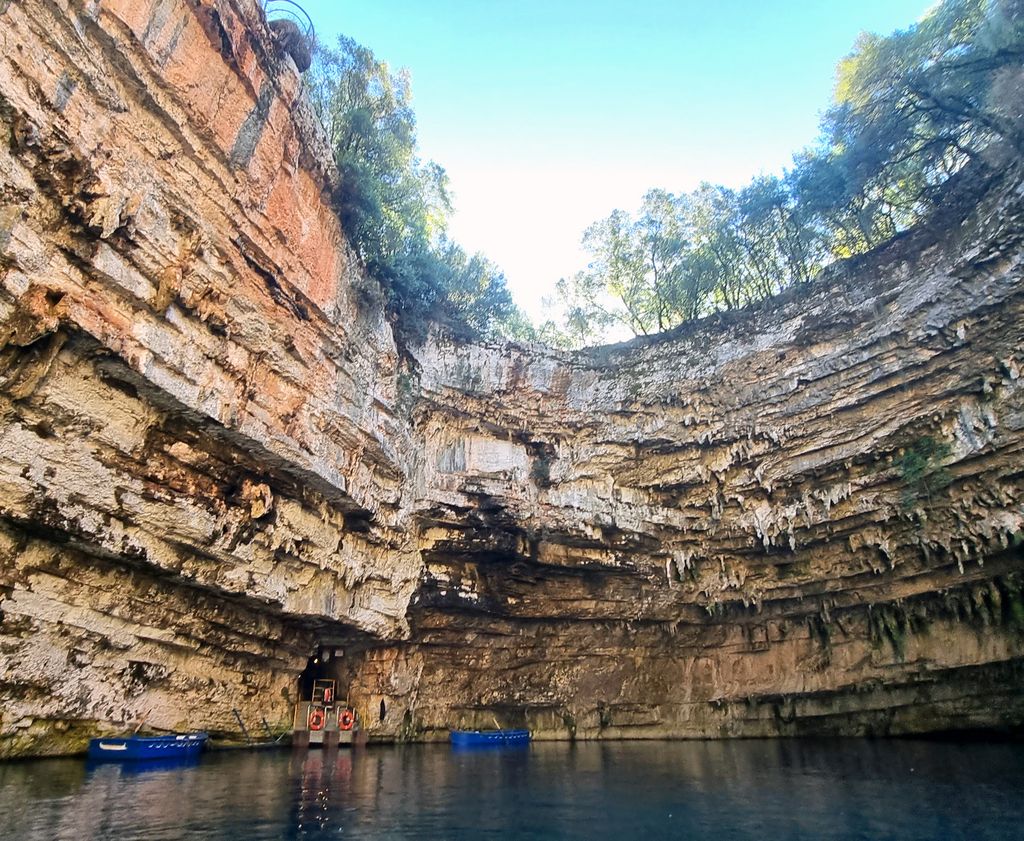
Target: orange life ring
{"x":346,"y":718}
{"x":316,"y":719}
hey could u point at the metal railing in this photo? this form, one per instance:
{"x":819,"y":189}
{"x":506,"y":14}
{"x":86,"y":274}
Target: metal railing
{"x":290,"y":10}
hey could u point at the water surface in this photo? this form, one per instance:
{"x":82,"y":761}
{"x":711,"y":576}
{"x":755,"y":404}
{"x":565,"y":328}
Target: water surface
{"x":841,"y":789}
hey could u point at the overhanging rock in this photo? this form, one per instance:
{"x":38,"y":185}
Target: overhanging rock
{"x":214,"y":456}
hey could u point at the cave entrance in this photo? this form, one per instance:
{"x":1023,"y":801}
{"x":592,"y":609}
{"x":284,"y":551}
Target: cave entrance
{"x":322,"y":714}
{"x":326,"y":663}
{"x":316,"y":669}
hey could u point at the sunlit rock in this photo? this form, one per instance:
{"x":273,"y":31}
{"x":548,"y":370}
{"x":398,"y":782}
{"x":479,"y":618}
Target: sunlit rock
{"x":216,"y":460}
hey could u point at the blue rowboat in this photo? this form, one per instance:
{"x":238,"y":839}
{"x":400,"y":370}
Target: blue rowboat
{"x":464,"y":738}
{"x":131,"y":748}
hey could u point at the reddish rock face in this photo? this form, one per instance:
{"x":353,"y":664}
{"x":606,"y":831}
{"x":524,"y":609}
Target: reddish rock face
{"x":804,"y":518}
{"x":198,"y":420}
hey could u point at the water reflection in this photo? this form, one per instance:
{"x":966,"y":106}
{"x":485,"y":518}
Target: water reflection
{"x":721,"y":790}
{"x":520,"y":747}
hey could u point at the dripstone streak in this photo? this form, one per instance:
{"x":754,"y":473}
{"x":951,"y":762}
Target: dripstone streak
{"x":215,"y":456}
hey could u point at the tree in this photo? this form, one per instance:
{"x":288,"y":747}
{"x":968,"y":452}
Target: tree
{"x":393,"y":206}
{"x":909,"y":110}
{"x":913,"y":108}
{"x":662,"y":236}
{"x":779,"y":240}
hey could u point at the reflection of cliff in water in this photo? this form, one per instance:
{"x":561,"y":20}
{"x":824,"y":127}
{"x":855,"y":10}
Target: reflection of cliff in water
{"x":845,"y":790}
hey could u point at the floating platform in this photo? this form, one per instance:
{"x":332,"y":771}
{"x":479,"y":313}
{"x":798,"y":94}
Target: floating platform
{"x":316,"y":725}
{"x":133,"y":748}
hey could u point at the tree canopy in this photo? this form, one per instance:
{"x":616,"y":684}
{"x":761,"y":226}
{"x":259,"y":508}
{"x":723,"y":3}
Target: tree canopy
{"x":393,"y":205}
{"x":909,"y":110}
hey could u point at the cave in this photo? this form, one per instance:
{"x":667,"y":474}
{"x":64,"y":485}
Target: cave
{"x":799,"y":517}
{"x":316,"y":669}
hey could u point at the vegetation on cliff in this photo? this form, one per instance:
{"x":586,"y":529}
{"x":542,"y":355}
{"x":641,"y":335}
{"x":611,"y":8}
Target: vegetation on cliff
{"x":393,"y":205}
{"x":909,"y":110}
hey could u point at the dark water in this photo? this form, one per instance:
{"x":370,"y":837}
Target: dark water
{"x":903,"y":790}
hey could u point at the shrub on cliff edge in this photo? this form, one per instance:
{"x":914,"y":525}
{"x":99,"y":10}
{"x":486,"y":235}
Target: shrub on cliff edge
{"x":393,"y":205}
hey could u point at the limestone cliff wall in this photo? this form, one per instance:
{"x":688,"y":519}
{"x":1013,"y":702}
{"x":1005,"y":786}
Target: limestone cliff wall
{"x":801,"y":518}
{"x":198,"y":452}
{"x":214,"y":456}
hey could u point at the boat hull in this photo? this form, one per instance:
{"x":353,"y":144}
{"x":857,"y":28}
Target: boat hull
{"x":134,"y":748}
{"x":465,"y":738}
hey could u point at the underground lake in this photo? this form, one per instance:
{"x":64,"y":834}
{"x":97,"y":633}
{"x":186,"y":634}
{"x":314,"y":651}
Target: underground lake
{"x":782,"y":789}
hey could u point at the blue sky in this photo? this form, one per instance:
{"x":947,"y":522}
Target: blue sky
{"x":549,"y":115}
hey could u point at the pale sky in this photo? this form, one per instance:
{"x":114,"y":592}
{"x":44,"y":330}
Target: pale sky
{"x":549,"y":115}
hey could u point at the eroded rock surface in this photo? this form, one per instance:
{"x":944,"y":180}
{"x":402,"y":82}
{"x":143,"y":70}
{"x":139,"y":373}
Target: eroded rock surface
{"x":214,"y":456}
{"x":804,"y":518}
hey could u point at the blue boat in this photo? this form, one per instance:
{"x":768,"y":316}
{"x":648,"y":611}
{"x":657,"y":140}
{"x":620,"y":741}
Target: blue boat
{"x":131,"y":748}
{"x":489,"y":737}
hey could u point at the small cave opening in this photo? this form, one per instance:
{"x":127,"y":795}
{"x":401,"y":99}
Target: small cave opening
{"x":316,"y":669}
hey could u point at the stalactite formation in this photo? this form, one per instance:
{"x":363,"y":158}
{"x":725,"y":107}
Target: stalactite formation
{"x":805,"y":517}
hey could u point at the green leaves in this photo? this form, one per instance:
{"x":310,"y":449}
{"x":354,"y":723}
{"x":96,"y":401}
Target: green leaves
{"x":909,"y":110}
{"x":393,"y":206}
{"x":684,"y":256}
{"x":921,"y":467}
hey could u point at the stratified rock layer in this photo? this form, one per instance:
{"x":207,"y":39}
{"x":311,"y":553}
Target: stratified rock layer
{"x":214,"y":457}
{"x":196,"y":427}
{"x":802,"y":518}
